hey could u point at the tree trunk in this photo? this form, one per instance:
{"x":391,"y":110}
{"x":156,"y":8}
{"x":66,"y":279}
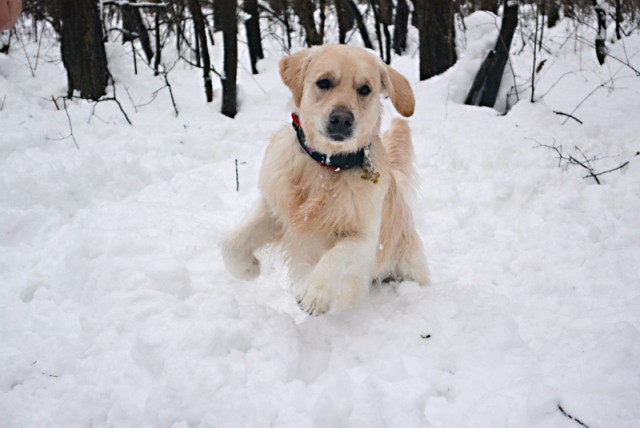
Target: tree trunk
{"x":203,"y":48}
{"x":254,"y":39}
{"x":217,"y":14}
{"x":304,"y":9}
{"x":281,"y":9}
{"x":287,"y":24}
{"x":323,"y":19}
{"x":568,"y":8}
{"x":484,"y":90}
{"x":601,"y":49}
{"x":618,"y":20}
{"x":386,"y":19}
{"x":230,"y":42}
{"x":437,"y":36}
{"x":82,"y":48}
{"x":542,"y":6}
{"x":158,"y":57}
{"x":553,"y":13}
{"x":401,"y":27}
{"x":135,"y":29}
{"x":490,"y":5}
{"x":362,"y":28}
{"x":345,"y":20}
{"x":376,"y":16}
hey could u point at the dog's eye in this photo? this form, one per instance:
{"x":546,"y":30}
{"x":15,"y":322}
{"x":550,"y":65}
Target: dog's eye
{"x":324,"y":84}
{"x":364,"y":90}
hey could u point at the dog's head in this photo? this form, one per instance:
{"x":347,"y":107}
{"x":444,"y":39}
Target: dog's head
{"x":337,"y":89}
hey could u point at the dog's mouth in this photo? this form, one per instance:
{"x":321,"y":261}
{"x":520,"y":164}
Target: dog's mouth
{"x":339,"y":137}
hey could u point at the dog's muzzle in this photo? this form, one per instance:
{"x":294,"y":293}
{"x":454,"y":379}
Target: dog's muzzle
{"x":340,"y":124}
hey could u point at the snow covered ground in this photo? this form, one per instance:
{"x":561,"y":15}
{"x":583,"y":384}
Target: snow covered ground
{"x":116,"y":309}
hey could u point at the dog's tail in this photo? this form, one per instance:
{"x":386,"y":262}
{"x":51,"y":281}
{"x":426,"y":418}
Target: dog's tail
{"x":397,"y":141}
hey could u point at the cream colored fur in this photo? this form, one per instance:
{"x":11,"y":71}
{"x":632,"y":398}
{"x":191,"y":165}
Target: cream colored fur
{"x":339,"y":232}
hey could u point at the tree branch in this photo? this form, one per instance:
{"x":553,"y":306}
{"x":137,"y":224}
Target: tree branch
{"x":573,"y":418}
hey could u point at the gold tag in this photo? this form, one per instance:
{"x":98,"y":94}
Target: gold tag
{"x":373,"y":176}
{"x":368,"y":171}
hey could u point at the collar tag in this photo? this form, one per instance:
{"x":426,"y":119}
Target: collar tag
{"x":368,"y":171}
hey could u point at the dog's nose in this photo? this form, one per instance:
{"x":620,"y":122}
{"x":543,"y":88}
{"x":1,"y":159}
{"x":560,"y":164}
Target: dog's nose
{"x":340,"y":124}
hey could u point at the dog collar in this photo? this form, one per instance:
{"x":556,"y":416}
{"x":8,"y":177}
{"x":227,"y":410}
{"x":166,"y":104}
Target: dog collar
{"x":335,"y":162}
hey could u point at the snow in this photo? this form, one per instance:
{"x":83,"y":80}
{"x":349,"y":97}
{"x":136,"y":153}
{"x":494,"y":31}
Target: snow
{"x":116,"y":310}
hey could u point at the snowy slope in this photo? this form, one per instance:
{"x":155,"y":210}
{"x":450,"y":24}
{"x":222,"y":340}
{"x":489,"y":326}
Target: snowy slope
{"x":116,"y":310}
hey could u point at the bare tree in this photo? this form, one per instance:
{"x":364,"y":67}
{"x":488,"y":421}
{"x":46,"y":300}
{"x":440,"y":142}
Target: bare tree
{"x":135,"y":29}
{"x":202,"y":48}
{"x":618,"y":19}
{"x":362,"y":28}
{"x":227,"y":10}
{"x":484,"y":90}
{"x":279,"y":9}
{"x":304,"y":9}
{"x":435,"y":20}
{"x":82,"y":47}
{"x":254,"y":39}
{"x":553,"y":13}
{"x":383,"y":15}
{"x":601,"y":49}
{"x":490,"y":5}
{"x":345,"y":20}
{"x":400,"y":28}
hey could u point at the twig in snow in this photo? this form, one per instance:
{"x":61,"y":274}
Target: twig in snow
{"x":585,"y":163}
{"x":237,"y":177}
{"x":111,"y":98}
{"x":611,"y":170}
{"x":626,"y":63}
{"x":24,"y":49}
{"x":55,"y":103}
{"x":66,"y":111}
{"x":568,"y":115}
{"x":602,"y":85}
{"x":173,"y":100}
{"x":43,"y":373}
{"x":131,"y":99}
{"x":154,"y":94}
{"x":573,"y":418}
{"x":35,"y":67}
{"x":211,"y":68}
{"x":95,"y":104}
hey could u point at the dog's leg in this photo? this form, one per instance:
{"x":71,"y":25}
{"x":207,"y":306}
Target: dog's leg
{"x":415,"y":267}
{"x":238,"y":249}
{"x":342,"y":275}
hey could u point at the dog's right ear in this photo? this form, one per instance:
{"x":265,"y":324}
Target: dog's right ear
{"x":292,"y":70}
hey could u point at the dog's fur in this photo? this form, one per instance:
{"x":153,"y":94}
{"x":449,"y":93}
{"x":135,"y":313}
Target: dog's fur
{"x":339,"y":232}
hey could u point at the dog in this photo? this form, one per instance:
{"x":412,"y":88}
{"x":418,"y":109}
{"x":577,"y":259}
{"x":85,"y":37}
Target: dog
{"x":335,"y":195}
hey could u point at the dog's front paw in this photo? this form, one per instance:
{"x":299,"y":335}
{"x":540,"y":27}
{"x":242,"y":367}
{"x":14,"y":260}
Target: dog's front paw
{"x":316,"y":300}
{"x":242,"y":265}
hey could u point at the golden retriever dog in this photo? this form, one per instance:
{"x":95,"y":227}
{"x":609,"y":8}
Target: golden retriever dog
{"x":334,"y":193}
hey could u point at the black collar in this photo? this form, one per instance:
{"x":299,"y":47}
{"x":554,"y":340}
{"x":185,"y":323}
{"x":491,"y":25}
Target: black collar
{"x":337,"y":161}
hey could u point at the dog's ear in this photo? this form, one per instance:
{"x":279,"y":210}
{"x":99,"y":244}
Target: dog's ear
{"x":292,"y":69}
{"x":399,"y":90}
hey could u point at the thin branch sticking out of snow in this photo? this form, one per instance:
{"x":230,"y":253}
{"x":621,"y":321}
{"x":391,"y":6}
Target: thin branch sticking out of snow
{"x":586,"y":163}
{"x":573,"y":418}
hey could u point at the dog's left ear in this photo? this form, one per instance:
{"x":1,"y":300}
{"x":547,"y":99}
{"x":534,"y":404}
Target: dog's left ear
{"x":399,"y":90}
{"x":292,"y":70}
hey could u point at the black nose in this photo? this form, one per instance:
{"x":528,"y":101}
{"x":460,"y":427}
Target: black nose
{"x":340,"y":124}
